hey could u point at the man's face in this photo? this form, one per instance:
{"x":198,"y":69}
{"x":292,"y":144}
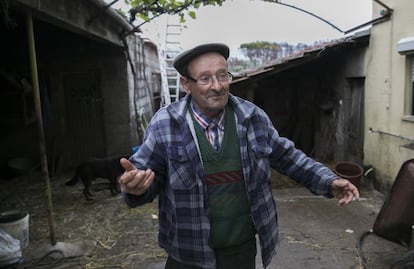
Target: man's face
{"x":212,"y":97}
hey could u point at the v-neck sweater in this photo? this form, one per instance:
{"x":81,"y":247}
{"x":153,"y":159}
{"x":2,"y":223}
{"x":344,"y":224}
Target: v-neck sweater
{"x":232,"y":227}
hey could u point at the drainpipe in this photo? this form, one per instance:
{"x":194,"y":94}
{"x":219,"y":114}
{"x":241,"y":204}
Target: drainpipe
{"x":38,"y":109}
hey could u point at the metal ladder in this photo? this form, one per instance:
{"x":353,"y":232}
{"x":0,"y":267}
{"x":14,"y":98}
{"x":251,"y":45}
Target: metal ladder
{"x":165,"y":89}
{"x":170,"y":78}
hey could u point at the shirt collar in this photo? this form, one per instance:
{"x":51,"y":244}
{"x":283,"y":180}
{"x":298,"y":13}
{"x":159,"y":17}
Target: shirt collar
{"x":206,"y":122}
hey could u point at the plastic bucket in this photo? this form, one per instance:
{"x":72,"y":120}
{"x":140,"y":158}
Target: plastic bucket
{"x":16,"y":224}
{"x":350,"y":171}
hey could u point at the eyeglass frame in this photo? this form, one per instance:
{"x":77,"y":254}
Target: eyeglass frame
{"x":230,"y":78}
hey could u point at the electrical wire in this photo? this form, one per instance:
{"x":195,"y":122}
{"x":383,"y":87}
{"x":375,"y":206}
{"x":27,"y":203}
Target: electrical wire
{"x":50,"y":260}
{"x":309,"y":13}
{"x":359,"y":248}
{"x":406,"y":261}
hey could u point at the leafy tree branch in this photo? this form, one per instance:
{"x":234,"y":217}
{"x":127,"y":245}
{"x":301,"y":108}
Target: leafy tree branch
{"x":150,"y":9}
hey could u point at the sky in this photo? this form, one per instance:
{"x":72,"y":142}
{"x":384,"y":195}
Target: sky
{"x":245,"y":21}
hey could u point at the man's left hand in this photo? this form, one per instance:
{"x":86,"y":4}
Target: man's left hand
{"x":345,"y":191}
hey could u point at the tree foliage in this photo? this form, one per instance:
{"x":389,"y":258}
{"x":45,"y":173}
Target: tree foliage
{"x":150,"y":9}
{"x":260,"y":52}
{"x":251,"y":55}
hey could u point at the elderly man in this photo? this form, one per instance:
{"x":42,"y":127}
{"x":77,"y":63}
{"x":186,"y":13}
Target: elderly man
{"x":208,"y":158}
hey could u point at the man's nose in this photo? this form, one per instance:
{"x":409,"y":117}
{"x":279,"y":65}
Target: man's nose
{"x":215,"y":83}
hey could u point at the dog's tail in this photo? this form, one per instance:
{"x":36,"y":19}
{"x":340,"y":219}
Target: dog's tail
{"x":74,"y":180}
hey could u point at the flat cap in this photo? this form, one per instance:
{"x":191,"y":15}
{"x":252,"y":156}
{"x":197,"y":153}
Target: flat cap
{"x":183,"y":59}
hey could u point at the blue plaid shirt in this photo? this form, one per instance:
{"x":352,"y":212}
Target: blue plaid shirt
{"x":170,"y":149}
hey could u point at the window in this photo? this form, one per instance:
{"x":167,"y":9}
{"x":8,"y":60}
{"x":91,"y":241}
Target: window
{"x":412,"y":85}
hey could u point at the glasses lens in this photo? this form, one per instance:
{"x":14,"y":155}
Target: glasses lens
{"x":223,"y":77}
{"x":229,"y":77}
{"x":207,"y":80}
{"x":204,"y":80}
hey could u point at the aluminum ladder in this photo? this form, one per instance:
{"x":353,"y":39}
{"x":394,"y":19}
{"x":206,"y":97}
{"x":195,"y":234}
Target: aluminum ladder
{"x":170,"y":78}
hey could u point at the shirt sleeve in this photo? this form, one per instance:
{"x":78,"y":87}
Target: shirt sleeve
{"x":150,"y":155}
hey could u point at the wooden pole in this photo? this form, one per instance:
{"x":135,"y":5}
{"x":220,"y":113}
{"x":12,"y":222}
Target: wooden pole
{"x":42,"y":144}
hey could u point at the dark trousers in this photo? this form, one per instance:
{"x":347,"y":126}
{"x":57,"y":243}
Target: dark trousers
{"x":242,"y":260}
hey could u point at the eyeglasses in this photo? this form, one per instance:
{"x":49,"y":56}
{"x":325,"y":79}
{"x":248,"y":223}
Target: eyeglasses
{"x":207,"y":80}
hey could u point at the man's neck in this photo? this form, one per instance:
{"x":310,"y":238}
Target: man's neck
{"x":207,"y":118}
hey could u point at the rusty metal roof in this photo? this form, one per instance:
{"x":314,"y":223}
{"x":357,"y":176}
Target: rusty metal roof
{"x":359,"y":39}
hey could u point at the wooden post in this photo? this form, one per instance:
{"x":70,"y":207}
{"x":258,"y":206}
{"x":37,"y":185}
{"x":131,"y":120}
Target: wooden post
{"x":38,"y":110}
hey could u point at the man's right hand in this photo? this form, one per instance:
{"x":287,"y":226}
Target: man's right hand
{"x":135,"y":181}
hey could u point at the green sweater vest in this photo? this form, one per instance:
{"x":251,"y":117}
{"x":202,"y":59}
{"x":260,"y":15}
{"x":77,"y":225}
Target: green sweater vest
{"x":232,"y":227}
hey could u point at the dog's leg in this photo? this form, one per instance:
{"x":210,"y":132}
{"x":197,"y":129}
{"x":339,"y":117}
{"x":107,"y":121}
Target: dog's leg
{"x":87,"y":194}
{"x":86,"y":191}
{"x":112,"y":186}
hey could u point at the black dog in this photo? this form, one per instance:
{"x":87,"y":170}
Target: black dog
{"x":91,"y":169}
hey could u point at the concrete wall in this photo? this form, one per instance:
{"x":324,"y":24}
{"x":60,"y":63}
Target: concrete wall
{"x":153,"y":74}
{"x":141,"y":86}
{"x":387,"y":104}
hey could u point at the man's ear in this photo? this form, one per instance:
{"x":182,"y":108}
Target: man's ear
{"x":184,"y":82}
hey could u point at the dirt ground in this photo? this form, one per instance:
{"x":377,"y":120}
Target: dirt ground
{"x":112,"y":235}
{"x":116,"y":235}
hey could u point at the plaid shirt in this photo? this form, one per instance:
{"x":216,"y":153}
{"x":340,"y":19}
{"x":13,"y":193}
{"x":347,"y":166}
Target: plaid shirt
{"x":170,"y":149}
